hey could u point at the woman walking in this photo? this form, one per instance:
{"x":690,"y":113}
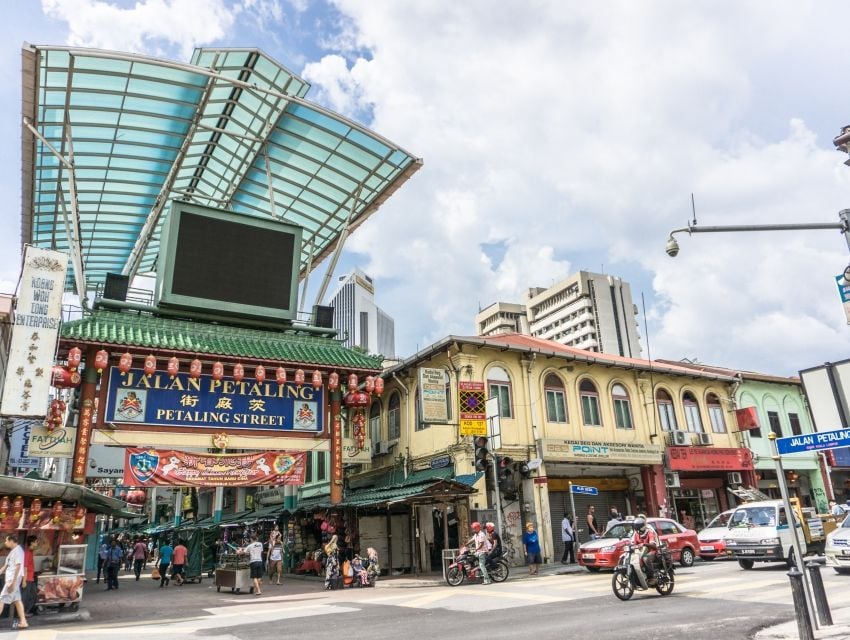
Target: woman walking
{"x":275,"y":559}
{"x":331,"y":564}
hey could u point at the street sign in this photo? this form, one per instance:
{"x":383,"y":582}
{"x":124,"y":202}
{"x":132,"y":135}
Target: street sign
{"x":844,"y":292}
{"x":473,"y":427}
{"x":584,"y":491}
{"x":813,"y":441}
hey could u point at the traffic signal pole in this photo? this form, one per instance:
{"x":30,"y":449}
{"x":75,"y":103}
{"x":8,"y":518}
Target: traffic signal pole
{"x":497,"y":492}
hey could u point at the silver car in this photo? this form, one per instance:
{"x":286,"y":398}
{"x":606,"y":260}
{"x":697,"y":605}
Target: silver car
{"x":837,"y":548}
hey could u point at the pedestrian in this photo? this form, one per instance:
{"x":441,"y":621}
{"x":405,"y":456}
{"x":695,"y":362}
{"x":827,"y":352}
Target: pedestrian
{"x":140,"y":556}
{"x":14,"y":570}
{"x":592,"y":524}
{"x":275,"y":559}
{"x":567,"y":537}
{"x":531,"y":546}
{"x":178,"y":563}
{"x":29,"y":587}
{"x":480,"y":547}
{"x":114,"y":559}
{"x":102,"y":552}
{"x":166,"y":552}
{"x":331,"y":564}
{"x":254,"y":549}
{"x":835,"y":509}
{"x":615,"y":517}
{"x":128,"y":555}
{"x":495,"y":543}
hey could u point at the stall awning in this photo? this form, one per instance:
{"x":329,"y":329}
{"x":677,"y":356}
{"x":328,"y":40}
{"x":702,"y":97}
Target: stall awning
{"x":91,"y":500}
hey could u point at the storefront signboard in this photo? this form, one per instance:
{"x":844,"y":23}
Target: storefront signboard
{"x":183,"y":401}
{"x":593,"y":451}
{"x":747,"y":418}
{"x":709,"y":459}
{"x":432,"y":395}
{"x":105,"y":462}
{"x":19,"y":456}
{"x":167,"y":467}
{"x":58,"y":443}
{"x":355,"y":452}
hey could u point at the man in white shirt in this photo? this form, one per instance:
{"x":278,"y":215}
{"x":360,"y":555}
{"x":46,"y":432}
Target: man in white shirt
{"x":14,"y":569}
{"x":255,"y":561}
{"x":480,"y":547}
{"x":567,"y":538}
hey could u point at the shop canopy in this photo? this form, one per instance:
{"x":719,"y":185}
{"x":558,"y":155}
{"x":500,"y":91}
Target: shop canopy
{"x":47,"y":489}
{"x":112,"y":138}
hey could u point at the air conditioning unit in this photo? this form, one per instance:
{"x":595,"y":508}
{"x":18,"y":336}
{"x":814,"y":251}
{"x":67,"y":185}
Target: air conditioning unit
{"x":677,"y":438}
{"x":380,"y":448}
{"x":734,"y":477}
{"x":702,"y":439}
{"x":671,"y":479}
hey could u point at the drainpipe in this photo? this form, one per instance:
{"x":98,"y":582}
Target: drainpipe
{"x":456,"y":371}
{"x":406,"y":395}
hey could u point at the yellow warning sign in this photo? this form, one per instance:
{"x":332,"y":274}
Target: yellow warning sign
{"x":473,"y":427}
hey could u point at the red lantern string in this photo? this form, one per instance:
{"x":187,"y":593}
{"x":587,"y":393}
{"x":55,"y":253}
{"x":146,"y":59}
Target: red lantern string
{"x":333,"y":381}
{"x":260,"y":373}
{"x":150,"y":365}
{"x":238,"y":372}
{"x":101,"y":359}
{"x":317,"y":379}
{"x":195,"y":368}
{"x":173,"y":367}
{"x":299,"y":376}
{"x":217,"y":371}
{"x":125,"y":363}
{"x":74,"y":357}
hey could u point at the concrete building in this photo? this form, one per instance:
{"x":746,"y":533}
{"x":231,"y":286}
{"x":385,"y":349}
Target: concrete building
{"x":589,"y":311}
{"x":358,"y":319}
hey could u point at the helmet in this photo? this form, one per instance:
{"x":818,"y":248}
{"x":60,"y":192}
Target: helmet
{"x":490,"y":527}
{"x":639,"y":523}
{"x":475,"y":526}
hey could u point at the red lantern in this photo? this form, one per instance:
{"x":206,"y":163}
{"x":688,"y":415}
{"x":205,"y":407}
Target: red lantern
{"x":352,"y":382}
{"x":5,"y":504}
{"x":56,"y":512}
{"x":80,"y":517}
{"x":370,"y":384}
{"x":74,"y":357}
{"x":333,"y":381}
{"x":238,"y":372}
{"x":217,"y":371}
{"x":125,"y":363}
{"x":150,"y":365}
{"x":260,"y":373}
{"x":299,"y":376}
{"x":18,"y":507}
{"x":379,"y":386}
{"x":195,"y":368}
{"x":317,"y":379}
{"x":35,"y":509}
{"x":173,"y":366}
{"x":280,"y":375}
{"x":63,"y":378}
{"x":101,"y":359}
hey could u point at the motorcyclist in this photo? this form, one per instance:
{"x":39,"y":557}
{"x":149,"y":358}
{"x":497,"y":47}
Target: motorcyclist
{"x":495,"y":543}
{"x":480,"y":547}
{"x":647,"y":539}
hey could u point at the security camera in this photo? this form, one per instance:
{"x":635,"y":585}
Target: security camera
{"x":672,"y":247}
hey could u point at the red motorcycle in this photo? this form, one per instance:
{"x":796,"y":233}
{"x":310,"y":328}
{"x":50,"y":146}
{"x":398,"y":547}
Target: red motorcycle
{"x":465,"y":567}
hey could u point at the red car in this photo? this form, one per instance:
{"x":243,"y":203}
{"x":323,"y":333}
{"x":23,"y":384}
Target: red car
{"x":604,"y":552}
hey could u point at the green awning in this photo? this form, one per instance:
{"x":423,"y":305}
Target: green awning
{"x":91,"y":500}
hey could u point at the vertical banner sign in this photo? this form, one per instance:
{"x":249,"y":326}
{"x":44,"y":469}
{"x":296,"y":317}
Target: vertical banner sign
{"x":471,"y":412}
{"x":19,"y":457}
{"x":844,"y":292}
{"x":81,"y":448}
{"x":38,"y":313}
{"x":432,"y":395}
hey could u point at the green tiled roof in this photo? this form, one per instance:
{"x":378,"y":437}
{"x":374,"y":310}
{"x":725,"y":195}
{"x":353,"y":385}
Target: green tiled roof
{"x":133,"y":330}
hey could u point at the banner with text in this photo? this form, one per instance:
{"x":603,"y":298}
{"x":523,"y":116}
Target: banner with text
{"x":591,"y":450}
{"x":471,"y":411}
{"x":38,"y":313}
{"x":709,"y":459}
{"x":166,"y":467}
{"x":432,"y":395}
{"x":183,"y":401}
{"x":58,"y":443}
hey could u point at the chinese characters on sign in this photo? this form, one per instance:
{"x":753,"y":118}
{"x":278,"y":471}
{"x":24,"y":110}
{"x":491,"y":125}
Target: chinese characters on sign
{"x":709,"y":459}
{"x":81,"y":447}
{"x":37,"y":316}
{"x":471,"y":400}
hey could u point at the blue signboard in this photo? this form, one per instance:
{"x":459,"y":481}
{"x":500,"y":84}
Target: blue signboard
{"x":182,"y":401}
{"x":584,"y":491}
{"x":813,"y":441}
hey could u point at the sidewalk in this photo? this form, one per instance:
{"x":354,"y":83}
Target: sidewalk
{"x":840,"y":630}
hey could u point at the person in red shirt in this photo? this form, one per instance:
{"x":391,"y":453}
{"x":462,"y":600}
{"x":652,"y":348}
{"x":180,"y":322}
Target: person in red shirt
{"x":29,"y":588}
{"x":140,"y":556}
{"x":178,"y":563}
{"x":647,"y":538}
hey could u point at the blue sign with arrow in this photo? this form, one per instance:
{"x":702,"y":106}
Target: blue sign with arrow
{"x":813,"y":441}
{"x":584,"y":491}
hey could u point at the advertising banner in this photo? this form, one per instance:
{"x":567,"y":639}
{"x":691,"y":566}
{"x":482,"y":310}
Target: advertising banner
{"x":471,"y":410}
{"x":19,"y":456}
{"x":183,"y":401}
{"x":105,"y":462}
{"x":38,"y":312}
{"x":166,"y":467}
{"x":709,"y":459}
{"x":432,"y":395}
{"x":353,"y":453}
{"x":58,"y":443}
{"x":590,"y":450}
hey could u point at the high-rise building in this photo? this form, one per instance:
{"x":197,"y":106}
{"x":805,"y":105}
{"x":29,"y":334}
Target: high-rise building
{"x":358,"y":319}
{"x":590,"y":311}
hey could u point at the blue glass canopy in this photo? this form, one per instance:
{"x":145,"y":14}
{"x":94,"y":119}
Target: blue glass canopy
{"x":111,"y":138}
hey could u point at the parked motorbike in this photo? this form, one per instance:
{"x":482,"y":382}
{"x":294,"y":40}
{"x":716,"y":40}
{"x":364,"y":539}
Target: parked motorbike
{"x":465,"y":567}
{"x":629,"y":575}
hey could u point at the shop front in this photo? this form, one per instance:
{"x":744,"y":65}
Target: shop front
{"x":698,"y":480}
{"x":839,"y":474}
{"x":615,"y":469}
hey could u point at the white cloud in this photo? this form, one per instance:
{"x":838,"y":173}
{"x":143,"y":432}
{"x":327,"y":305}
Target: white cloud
{"x":574,"y":133}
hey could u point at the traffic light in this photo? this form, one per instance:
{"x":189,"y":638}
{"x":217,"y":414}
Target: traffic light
{"x":481,"y":453}
{"x":507,"y":485}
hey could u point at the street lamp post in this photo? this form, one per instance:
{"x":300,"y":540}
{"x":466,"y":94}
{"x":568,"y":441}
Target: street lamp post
{"x":842,"y":225}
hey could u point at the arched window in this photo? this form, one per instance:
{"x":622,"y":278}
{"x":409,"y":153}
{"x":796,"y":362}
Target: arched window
{"x":715,"y":413}
{"x":692,"y":416}
{"x":589,"y":403}
{"x":556,"y":403}
{"x":771,"y":408}
{"x":666,"y":413}
{"x":499,"y":386}
{"x":394,"y":417}
{"x":375,"y":422}
{"x":622,"y":410}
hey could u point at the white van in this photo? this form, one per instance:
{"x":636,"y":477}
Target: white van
{"x":759,"y":532}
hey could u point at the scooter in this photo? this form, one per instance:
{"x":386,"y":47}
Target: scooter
{"x":629,"y":575}
{"x":466,"y":566}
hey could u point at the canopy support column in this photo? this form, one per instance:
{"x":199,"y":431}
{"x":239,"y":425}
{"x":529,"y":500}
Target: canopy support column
{"x":343,"y":236}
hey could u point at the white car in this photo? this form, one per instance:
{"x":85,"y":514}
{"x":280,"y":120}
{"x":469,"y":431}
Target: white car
{"x":837,"y":548}
{"x":711,"y":543}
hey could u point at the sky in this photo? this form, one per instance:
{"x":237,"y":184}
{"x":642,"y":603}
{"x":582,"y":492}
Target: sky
{"x":556,"y":136}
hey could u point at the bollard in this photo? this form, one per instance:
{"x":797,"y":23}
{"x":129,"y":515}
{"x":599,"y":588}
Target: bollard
{"x":819,"y":593}
{"x":801,"y":610}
